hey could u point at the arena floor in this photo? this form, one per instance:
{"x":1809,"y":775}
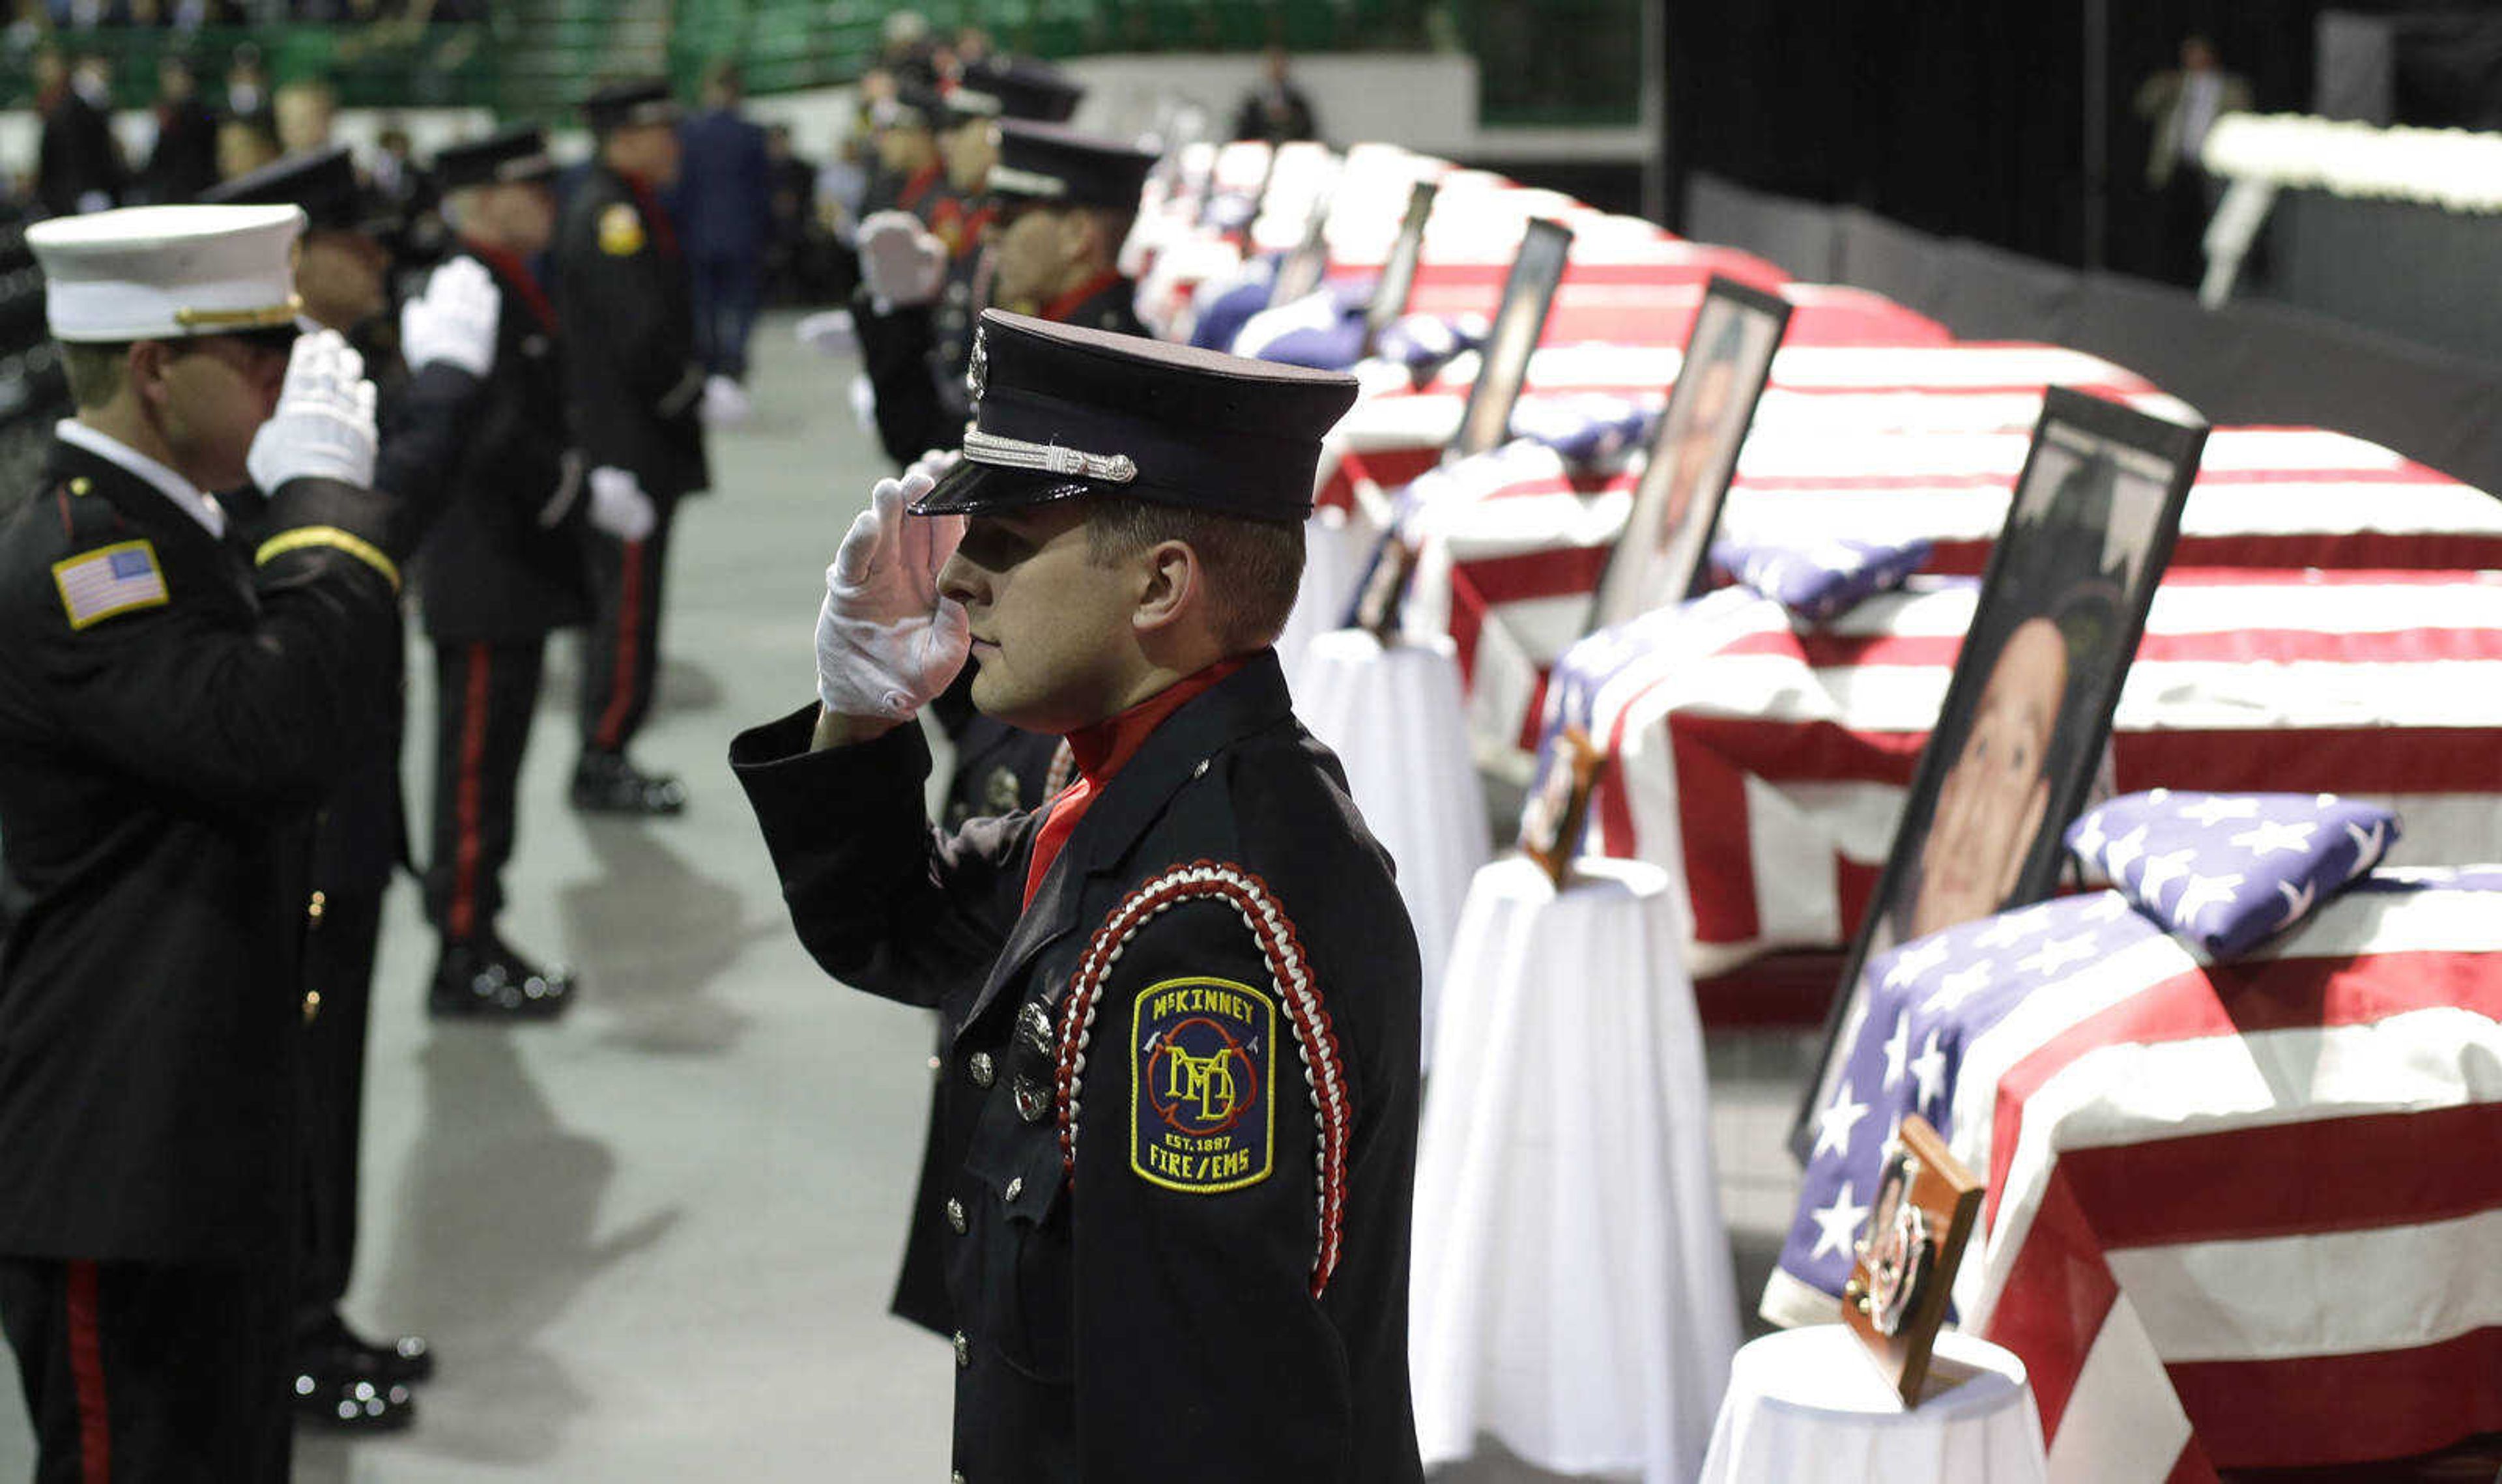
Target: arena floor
{"x":654,"y":1240}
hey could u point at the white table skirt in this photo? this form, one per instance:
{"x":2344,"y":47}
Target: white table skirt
{"x":1336,"y":547}
{"x":1809,"y":1407}
{"x":1393,"y":718}
{"x":1573,"y":1291}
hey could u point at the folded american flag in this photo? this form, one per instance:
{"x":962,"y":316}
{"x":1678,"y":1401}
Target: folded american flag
{"x":1819,"y":580}
{"x":1591,"y":431}
{"x":2225,"y":870}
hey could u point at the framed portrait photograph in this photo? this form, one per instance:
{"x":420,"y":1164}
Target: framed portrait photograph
{"x":1399,"y":273}
{"x":1664,"y":553}
{"x":2029,"y":707}
{"x":1528,"y":293}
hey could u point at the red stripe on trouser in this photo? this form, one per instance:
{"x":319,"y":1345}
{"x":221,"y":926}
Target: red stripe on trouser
{"x":460,"y":920}
{"x":629,"y":620}
{"x":87,"y":1373}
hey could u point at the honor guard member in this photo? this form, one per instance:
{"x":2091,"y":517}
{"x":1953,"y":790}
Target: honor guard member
{"x":174,"y":705}
{"x":1064,"y":202}
{"x":1182,"y":1086}
{"x":911,"y":173}
{"x":361,"y":836}
{"x":636,"y":382}
{"x":502,"y":571}
{"x":985,"y":94}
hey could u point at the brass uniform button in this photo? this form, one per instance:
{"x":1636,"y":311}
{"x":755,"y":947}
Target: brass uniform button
{"x":311,"y":1006}
{"x":314,"y":909}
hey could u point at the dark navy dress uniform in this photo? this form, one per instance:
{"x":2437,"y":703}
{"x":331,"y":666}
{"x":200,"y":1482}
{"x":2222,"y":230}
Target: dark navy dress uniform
{"x":161,"y":760}
{"x":504,"y":569}
{"x":635,"y":381}
{"x":1180,"y":1082}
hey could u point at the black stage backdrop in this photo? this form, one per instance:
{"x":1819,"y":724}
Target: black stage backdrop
{"x":1960,"y":118}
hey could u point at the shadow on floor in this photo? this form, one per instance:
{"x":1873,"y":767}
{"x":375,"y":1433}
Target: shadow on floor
{"x":493,"y":1259}
{"x":651,"y":935}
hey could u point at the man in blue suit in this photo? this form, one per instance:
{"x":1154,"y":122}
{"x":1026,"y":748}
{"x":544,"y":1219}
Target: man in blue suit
{"x":725,"y":211}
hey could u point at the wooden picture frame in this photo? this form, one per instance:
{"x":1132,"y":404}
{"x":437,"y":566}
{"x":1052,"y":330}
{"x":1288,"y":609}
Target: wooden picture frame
{"x":1903,"y":1270}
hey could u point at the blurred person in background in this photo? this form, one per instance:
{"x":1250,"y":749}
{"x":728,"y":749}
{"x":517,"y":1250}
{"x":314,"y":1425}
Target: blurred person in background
{"x":248,"y":95}
{"x":244,"y":146}
{"x":78,"y":163}
{"x":185,"y":160}
{"x":304,"y":111}
{"x":1276,"y":110}
{"x":502,"y":572}
{"x":634,"y":380}
{"x":2180,"y":106}
{"x":723,"y":205}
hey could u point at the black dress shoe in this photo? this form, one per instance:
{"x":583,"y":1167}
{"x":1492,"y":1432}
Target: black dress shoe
{"x":482,"y":977}
{"x":406,"y":1359}
{"x":605,"y":783}
{"x":337,"y":1387}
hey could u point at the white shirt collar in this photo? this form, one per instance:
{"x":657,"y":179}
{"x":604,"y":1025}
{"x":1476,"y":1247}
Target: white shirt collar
{"x":184,"y":495}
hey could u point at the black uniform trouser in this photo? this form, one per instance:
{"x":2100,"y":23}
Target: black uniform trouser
{"x":339,"y":966}
{"x":137,"y":1370}
{"x":621,"y":650}
{"x":485,"y":693}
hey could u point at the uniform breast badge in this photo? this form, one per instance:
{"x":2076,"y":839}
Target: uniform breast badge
{"x":1202,"y":1106}
{"x":620,"y":231}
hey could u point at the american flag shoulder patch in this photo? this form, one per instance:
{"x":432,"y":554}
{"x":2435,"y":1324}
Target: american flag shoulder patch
{"x":118,"y":579}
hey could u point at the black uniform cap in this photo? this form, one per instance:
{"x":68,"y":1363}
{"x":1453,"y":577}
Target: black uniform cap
{"x":323,"y":181}
{"x":517,"y":152}
{"x":621,"y":105}
{"x":919,"y":105}
{"x":1061,"y":412}
{"x":1016,"y":90}
{"x":1059,"y":166}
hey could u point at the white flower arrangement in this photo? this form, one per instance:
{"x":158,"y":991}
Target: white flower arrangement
{"x":2459,"y":169}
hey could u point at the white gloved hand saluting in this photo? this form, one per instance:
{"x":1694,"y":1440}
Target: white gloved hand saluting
{"x":901,"y":263}
{"x":324,"y":423}
{"x":887,"y":641}
{"x":453,"y":320}
{"x":619,"y":506}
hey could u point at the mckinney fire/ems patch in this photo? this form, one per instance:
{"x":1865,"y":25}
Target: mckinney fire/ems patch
{"x":1202,"y":1094}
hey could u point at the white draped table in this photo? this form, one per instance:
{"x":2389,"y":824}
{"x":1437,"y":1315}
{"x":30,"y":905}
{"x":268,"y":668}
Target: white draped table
{"x":1393,"y":717}
{"x":1810,"y":1407}
{"x":1573,"y":1294}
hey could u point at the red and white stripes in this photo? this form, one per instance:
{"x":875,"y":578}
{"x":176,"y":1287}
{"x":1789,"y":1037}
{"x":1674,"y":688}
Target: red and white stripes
{"x":1289,"y":973}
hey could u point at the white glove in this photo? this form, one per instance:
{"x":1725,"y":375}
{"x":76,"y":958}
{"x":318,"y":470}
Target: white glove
{"x":901,"y":264}
{"x":324,"y":423}
{"x":829,"y":332}
{"x":453,"y":320}
{"x":886,"y":640}
{"x":619,"y":506}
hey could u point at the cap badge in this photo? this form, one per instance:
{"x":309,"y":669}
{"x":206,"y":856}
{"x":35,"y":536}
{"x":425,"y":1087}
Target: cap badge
{"x":977,"y":370}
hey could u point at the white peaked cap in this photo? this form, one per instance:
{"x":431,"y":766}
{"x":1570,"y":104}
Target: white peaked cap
{"x":166,"y":272}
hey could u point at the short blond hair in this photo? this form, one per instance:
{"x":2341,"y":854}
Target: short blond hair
{"x":94,"y":372}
